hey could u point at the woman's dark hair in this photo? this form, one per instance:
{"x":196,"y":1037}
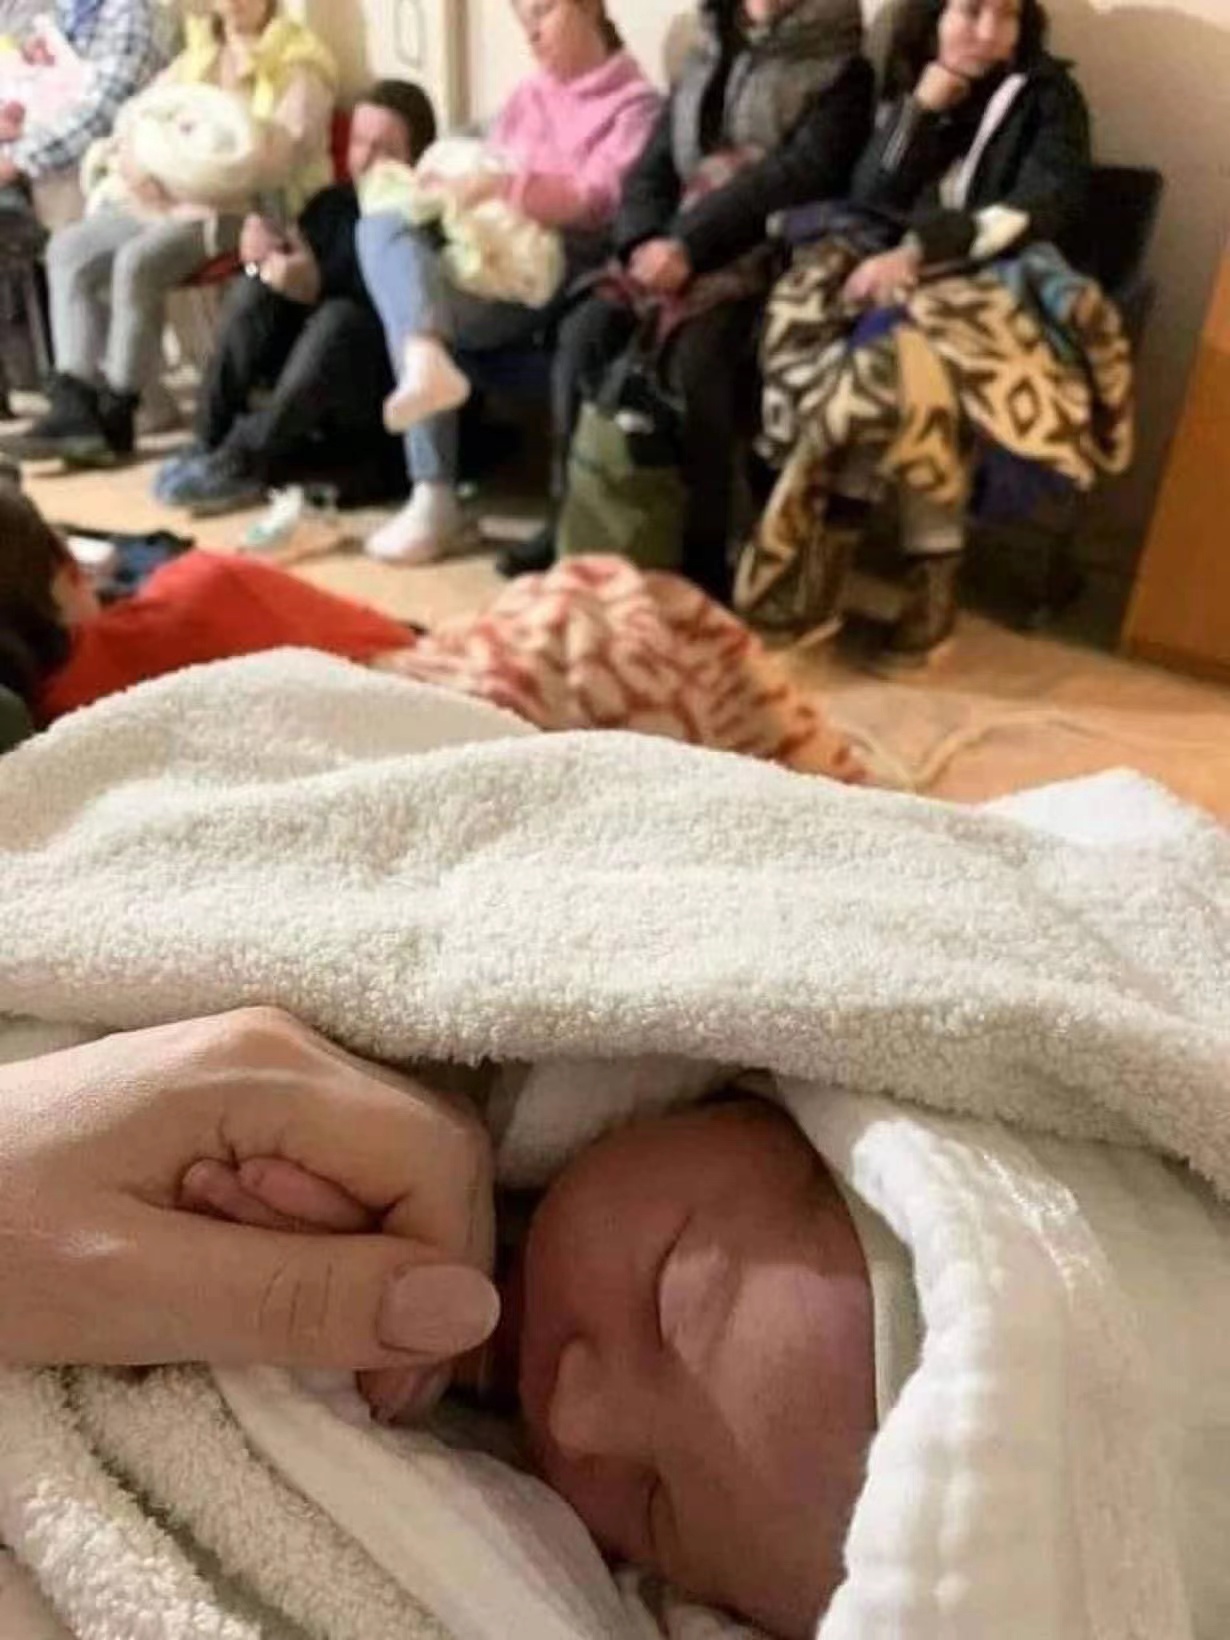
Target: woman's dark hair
{"x":34,"y":641}
{"x":611,"y":37}
{"x":915,"y":38}
{"x":413,"y":108}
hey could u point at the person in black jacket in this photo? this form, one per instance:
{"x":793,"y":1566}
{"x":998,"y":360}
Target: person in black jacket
{"x":301,"y":328}
{"x":982,"y":147}
{"x":775,"y":104}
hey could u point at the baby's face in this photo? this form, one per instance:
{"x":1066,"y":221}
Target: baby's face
{"x":696,"y":1364}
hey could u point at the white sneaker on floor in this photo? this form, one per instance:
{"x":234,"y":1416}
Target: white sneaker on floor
{"x":279,"y":521}
{"x":430,"y":526}
{"x":430,"y":385}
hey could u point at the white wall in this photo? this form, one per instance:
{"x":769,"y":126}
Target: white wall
{"x":1157,"y":73}
{"x":423,"y":40}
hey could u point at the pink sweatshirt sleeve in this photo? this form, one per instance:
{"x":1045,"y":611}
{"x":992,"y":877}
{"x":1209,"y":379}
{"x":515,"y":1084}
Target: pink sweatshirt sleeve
{"x":588,"y":196}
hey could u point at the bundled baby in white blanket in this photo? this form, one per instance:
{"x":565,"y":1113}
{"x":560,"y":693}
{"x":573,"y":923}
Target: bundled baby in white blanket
{"x":197,"y":143}
{"x":740,"y":1376}
{"x":492,"y":250}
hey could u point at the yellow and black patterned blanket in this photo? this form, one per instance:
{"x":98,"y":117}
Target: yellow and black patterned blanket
{"x":1024,"y":355}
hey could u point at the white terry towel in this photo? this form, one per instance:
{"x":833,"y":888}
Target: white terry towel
{"x":419,"y":878}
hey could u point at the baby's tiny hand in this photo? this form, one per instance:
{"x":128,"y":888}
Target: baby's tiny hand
{"x":275,"y":1194}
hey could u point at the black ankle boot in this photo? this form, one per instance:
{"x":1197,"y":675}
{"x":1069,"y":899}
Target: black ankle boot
{"x":72,"y":420}
{"x":529,"y":557}
{"x":929,"y":614}
{"x":117,"y":420}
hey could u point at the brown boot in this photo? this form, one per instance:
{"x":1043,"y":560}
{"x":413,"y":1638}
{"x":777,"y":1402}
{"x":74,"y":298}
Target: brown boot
{"x":929,"y":613}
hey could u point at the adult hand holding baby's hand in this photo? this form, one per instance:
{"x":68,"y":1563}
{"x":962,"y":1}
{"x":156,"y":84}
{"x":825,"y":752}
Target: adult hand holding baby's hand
{"x":109,"y":1153}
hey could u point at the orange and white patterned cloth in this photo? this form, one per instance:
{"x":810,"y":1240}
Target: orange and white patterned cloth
{"x":597,"y":644}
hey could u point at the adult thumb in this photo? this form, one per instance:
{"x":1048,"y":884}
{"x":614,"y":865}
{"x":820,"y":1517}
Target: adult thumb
{"x":233,"y":1295}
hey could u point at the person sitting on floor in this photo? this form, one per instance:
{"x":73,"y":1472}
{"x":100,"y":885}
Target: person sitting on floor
{"x":60,"y":651}
{"x":110,"y":275}
{"x":301,"y":326}
{"x":574,"y":652}
{"x":123,"y":45}
{"x":772,"y":108}
{"x":568,"y":133}
{"x":979,"y":165}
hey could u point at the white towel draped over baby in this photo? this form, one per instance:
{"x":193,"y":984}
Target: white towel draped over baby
{"x":421,"y":879}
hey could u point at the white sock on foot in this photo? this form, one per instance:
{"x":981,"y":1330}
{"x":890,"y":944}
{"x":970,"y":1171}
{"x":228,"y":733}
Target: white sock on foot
{"x":429,"y":526}
{"x":430,"y":385}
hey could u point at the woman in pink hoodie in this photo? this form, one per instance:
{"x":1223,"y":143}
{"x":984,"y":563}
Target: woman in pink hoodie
{"x":571,"y":132}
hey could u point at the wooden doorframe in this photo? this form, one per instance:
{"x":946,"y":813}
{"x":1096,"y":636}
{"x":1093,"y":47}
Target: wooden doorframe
{"x":425,"y":40}
{"x":415,"y":19}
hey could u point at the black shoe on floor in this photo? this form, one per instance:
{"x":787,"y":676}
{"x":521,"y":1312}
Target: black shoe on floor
{"x":115,"y":438}
{"x":72,"y":419}
{"x":220,"y":483}
{"x":928,"y":617}
{"x":530,"y":557}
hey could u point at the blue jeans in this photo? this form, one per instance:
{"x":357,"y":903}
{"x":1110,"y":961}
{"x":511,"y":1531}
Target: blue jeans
{"x":412,"y":292}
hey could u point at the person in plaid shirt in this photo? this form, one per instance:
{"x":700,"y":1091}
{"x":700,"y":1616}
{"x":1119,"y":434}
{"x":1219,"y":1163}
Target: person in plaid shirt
{"x":125,"y":43}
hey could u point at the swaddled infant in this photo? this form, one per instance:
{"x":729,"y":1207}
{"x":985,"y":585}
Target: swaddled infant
{"x":700,"y":1333}
{"x":696,"y":1339}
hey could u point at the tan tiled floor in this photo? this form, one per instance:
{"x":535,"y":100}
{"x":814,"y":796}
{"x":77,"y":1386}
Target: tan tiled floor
{"x":1000,"y":711}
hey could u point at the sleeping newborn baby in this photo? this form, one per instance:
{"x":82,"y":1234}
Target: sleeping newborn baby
{"x":697,"y":1333}
{"x":709,"y":1330}
{"x":703,"y":1330}
{"x":701,"y":1333}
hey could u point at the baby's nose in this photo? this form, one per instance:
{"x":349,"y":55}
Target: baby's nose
{"x":589,"y":1416}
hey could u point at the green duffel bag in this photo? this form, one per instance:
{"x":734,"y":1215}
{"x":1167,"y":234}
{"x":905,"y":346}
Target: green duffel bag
{"x":625,"y":492}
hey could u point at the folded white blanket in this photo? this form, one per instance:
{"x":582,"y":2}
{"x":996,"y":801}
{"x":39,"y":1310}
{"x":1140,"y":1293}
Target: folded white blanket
{"x":417,"y":877}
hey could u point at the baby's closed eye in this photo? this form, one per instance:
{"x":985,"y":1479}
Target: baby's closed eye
{"x":695,"y":1294}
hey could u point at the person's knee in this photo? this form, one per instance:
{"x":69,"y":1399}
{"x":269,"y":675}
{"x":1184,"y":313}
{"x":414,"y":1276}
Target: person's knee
{"x":335,"y":339}
{"x":245,"y":301}
{"x":140,"y":272}
{"x":377,"y":237}
{"x":70,"y":252}
{"x":336,"y":327}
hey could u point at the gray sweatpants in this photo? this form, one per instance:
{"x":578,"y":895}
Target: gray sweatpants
{"x":109,"y":278}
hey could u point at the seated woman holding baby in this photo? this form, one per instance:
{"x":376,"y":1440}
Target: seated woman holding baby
{"x":183,"y":169}
{"x":556,"y":154}
{"x":930,"y":317}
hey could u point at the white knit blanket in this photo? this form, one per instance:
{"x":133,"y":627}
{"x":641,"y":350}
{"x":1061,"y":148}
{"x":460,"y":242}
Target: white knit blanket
{"x":419,"y":878}
{"x":492,"y":249}
{"x":198,"y":142}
